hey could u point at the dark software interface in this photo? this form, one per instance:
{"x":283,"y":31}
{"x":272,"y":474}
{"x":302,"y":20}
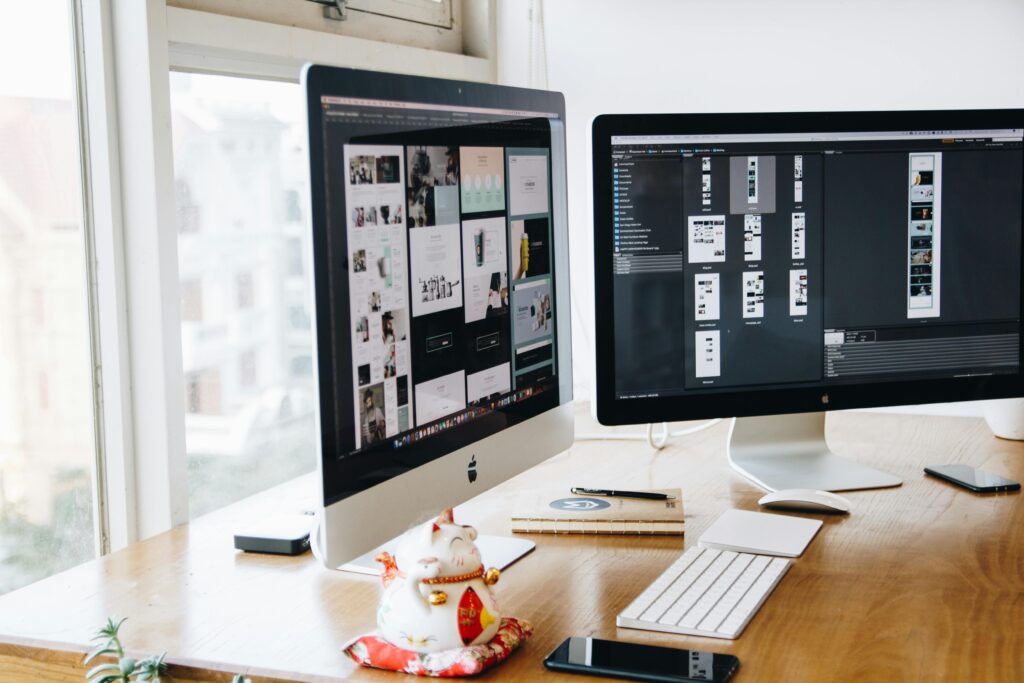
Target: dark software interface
{"x":440,"y":267}
{"x":814,"y":259}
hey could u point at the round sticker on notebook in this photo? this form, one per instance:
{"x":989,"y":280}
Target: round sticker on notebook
{"x":580,"y":504}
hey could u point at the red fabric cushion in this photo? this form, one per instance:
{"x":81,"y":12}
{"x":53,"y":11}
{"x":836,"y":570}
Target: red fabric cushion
{"x":373,"y":651}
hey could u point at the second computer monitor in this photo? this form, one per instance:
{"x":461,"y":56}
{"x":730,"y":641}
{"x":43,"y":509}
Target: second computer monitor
{"x":757,"y":264}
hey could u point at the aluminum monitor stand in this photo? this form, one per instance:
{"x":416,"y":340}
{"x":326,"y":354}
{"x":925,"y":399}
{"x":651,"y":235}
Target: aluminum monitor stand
{"x":789,"y":452}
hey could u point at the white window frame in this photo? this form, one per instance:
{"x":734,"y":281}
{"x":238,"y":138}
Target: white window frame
{"x":429,"y":12}
{"x":215,"y":43}
{"x":128,"y":49}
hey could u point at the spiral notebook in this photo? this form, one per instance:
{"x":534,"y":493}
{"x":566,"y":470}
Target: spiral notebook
{"x":558,"y":512}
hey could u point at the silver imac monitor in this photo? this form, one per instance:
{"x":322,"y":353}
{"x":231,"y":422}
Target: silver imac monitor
{"x":440,"y":262}
{"x":776,"y":266}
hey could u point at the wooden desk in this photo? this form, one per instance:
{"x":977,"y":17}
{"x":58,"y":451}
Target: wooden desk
{"x":922,"y":582}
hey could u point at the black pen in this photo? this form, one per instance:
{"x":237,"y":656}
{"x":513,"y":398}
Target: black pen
{"x":576,"y":490}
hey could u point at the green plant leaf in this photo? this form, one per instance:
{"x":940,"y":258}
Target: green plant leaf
{"x":108,"y":678}
{"x":108,"y":666}
{"x":128,"y":666}
{"x":96,"y":653}
{"x":149,"y":669}
{"x":110,"y":629}
{"x":153,"y":664}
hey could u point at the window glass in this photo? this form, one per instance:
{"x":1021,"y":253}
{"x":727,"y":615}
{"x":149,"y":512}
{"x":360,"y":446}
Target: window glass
{"x":240,"y":177}
{"x":46,"y":407}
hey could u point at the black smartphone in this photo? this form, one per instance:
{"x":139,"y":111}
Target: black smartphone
{"x":972,"y":478}
{"x":640,"y":662}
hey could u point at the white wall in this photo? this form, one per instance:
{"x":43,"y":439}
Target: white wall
{"x":753,"y":55}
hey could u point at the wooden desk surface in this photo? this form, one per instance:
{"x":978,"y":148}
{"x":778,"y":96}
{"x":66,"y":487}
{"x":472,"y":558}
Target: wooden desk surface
{"x":922,"y":582}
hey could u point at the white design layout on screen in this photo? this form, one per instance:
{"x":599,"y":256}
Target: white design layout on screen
{"x":706,"y":239}
{"x":753,"y":294}
{"x":705,"y":296}
{"x":705,"y":189}
{"x":439,"y":397}
{"x":482,"y":179}
{"x":798,"y":179}
{"x":924,"y":235}
{"x":798,"y":239}
{"x":752,"y":180}
{"x":485,"y":266}
{"x":752,"y":237}
{"x":378,"y":301}
{"x":527,"y":184}
{"x":436,"y":269}
{"x":708,"y":353}
{"x":489,"y":383}
{"x":798,"y":292}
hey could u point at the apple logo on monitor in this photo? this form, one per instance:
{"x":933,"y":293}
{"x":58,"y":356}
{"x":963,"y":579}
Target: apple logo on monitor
{"x":471,"y":470}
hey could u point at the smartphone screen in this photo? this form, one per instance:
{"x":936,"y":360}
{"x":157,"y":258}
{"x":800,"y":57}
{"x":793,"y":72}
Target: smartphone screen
{"x":973,"y":478}
{"x":641,"y":662}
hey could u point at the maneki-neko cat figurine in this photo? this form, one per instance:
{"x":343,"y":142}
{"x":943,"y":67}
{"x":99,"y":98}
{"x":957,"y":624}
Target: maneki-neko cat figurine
{"x":437,"y":594}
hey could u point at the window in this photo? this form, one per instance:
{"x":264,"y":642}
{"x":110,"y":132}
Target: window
{"x":240,"y":150}
{"x":46,"y":406}
{"x":293,"y":206}
{"x":298,"y":317}
{"x":202,"y":392}
{"x":187,"y":211}
{"x":192,"y":301}
{"x":296,"y":268}
{"x":431,"y":24}
{"x":430,"y":12}
{"x":302,"y":366}
{"x":244,"y":290}
{"x":247,"y":368}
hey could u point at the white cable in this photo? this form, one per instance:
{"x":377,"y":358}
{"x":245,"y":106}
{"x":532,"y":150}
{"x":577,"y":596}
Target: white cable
{"x":656,"y":444}
{"x":314,"y":539}
{"x":660,"y":443}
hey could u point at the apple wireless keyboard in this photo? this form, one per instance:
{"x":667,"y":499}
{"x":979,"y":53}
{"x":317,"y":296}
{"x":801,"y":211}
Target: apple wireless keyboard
{"x":706,"y":592}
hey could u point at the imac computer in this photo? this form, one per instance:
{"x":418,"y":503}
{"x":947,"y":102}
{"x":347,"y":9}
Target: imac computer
{"x":776,"y":266}
{"x":440,"y":265}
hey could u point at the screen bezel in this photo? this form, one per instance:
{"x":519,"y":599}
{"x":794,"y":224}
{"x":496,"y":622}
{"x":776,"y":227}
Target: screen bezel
{"x":322,"y":81}
{"x":743,"y":402}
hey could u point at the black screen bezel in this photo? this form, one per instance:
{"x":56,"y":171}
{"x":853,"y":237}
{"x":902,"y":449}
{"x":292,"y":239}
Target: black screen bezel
{"x":745,"y":402}
{"x":339,"y":481}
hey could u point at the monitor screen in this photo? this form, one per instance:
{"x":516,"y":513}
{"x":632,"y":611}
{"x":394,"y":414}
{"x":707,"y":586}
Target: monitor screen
{"x":759,"y":261}
{"x":435,"y":286}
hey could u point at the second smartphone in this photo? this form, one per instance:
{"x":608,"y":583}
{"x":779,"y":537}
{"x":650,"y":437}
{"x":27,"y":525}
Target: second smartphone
{"x":972,"y":478}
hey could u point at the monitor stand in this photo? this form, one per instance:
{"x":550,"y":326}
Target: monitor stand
{"x":789,"y":452}
{"x":495,"y":551}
